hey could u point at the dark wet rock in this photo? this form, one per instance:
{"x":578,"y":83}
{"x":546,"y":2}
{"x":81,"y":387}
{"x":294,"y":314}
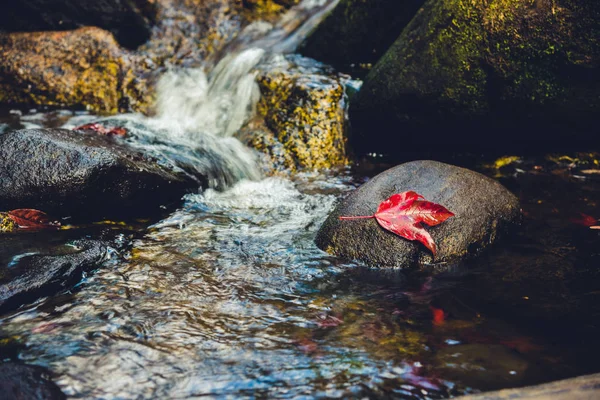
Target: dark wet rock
{"x":84,"y":175}
{"x":483,"y":210}
{"x":585,"y":387}
{"x":357,"y":32}
{"x":27,"y":382}
{"x":34,"y":276}
{"x":303,"y":103}
{"x":524,"y":71}
{"x":483,"y":366}
{"x":129,"y":21}
{"x":81,"y":68}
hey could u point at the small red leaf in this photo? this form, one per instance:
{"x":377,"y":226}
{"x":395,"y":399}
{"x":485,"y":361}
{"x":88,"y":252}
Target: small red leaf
{"x":118,"y":131}
{"x":585,"y":220}
{"x":28,"y":218}
{"x":404,"y":213}
{"x":439,"y":316}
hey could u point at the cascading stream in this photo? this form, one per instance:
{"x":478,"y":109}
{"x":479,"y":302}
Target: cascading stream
{"x":198,"y":113}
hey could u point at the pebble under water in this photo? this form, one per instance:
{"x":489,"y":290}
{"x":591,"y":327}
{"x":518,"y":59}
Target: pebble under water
{"x":228,"y":296}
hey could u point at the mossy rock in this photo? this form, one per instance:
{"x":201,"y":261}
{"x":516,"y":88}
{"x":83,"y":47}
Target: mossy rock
{"x":81,"y":68}
{"x":358,"y":32}
{"x":526,"y":70}
{"x":304,"y":105}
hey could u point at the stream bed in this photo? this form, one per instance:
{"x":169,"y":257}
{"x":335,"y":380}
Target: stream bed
{"x":228,"y":296}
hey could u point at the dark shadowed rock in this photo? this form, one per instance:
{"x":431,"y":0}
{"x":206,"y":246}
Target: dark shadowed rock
{"x":359,"y":32}
{"x":84,"y":175}
{"x":129,"y":20}
{"x":27,"y":382}
{"x":483,"y":209}
{"x":34,"y":276}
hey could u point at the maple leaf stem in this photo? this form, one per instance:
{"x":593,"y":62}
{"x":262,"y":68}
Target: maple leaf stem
{"x":359,"y":217}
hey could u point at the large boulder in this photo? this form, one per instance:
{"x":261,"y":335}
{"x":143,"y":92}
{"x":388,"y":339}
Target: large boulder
{"x":483,"y":210}
{"x":27,"y":382}
{"x":130,"y":21}
{"x":84,"y":175}
{"x":520,"y":70}
{"x":304,"y":104}
{"x":81,"y":68}
{"x":39,"y":275}
{"x":357,"y":32}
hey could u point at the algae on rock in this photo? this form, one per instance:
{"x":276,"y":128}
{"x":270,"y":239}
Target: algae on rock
{"x":496,"y":65}
{"x":71,"y":68}
{"x":304,"y":105}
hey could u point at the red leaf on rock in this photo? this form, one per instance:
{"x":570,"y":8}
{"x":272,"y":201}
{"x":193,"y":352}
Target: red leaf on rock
{"x":28,"y":218}
{"x":403,"y":214}
{"x":118,"y":131}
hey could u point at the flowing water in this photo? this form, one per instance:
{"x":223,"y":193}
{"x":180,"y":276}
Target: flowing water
{"x":228,"y":296}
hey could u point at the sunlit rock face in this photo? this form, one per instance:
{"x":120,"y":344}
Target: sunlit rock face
{"x":72,"y":68}
{"x":303,"y":104}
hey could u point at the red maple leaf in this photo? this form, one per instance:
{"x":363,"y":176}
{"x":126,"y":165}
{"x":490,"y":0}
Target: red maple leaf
{"x":118,"y":131}
{"x":403,"y":214}
{"x":28,"y":218}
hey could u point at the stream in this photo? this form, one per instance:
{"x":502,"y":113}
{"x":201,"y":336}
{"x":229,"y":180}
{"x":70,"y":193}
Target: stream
{"x":228,"y":296}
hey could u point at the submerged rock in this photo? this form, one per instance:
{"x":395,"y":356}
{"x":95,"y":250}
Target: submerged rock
{"x":522,"y":70}
{"x":74,"y":68}
{"x":129,"y":21}
{"x":357,"y":32}
{"x":27,"y":382}
{"x":84,"y":175}
{"x":484,"y":366}
{"x":303,"y":103}
{"x":34,"y":276}
{"x":483,"y":210}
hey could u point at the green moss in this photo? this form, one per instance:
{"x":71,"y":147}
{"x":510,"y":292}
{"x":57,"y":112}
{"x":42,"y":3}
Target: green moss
{"x":465,"y":58}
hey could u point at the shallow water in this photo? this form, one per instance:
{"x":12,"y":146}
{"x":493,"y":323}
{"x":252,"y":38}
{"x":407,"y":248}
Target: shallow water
{"x":229,"y":297}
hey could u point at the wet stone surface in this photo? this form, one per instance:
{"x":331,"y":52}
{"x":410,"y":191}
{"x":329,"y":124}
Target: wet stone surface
{"x":84,"y":175}
{"x":483,"y":211}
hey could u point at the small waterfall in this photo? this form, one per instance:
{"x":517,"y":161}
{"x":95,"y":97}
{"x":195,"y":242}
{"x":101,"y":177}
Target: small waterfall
{"x":197,"y":113}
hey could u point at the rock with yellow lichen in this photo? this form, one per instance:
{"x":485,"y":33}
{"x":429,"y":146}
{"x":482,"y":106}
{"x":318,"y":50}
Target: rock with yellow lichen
{"x":274,"y":159}
{"x":303,"y":104}
{"x":7,"y":224}
{"x":525,"y":70}
{"x":72,"y":68}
